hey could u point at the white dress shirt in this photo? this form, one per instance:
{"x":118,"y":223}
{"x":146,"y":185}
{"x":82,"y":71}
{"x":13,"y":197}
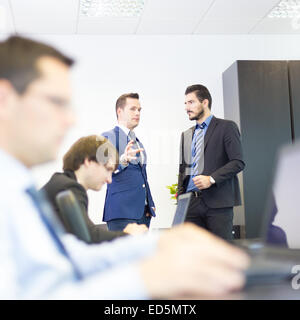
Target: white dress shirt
{"x":31,"y":266}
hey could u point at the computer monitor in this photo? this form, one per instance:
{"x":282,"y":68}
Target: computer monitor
{"x":182,"y":208}
{"x":282,"y":225}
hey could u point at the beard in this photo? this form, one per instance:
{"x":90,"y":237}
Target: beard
{"x":198,"y":116}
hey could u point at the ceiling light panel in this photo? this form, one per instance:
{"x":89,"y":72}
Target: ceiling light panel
{"x":286,"y":9}
{"x":277,"y":26}
{"x":111,"y":8}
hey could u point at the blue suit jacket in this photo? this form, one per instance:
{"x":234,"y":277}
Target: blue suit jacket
{"x":125,"y":196}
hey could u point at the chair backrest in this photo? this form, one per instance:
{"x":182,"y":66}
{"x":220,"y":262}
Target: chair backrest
{"x":73,"y":215}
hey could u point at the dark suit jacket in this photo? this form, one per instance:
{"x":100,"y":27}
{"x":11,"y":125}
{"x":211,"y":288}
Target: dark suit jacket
{"x":125,"y":196}
{"x":67,"y":181}
{"x":223,"y":159}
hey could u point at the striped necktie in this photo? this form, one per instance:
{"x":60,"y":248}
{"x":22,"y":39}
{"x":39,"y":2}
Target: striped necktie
{"x":49,"y":219}
{"x":197,"y":150}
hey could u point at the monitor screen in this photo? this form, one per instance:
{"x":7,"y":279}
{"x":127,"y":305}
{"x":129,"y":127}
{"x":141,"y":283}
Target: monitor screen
{"x":284,"y":227}
{"x":181,"y":210}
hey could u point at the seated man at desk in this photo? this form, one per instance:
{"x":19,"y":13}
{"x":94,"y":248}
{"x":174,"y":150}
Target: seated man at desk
{"x":86,"y":169}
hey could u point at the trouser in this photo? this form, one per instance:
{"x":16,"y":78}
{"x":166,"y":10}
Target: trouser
{"x":120,"y":224}
{"x":219,"y":221}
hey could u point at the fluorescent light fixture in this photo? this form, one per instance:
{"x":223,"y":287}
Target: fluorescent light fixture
{"x":111,"y":8}
{"x":286,"y":9}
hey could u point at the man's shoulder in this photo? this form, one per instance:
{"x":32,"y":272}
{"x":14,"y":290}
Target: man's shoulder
{"x":109,"y":133}
{"x":225,"y":122}
{"x":188,"y":130}
{"x":61,"y":181}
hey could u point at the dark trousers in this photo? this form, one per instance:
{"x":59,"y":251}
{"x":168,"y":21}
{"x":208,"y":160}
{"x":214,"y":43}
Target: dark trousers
{"x":120,"y":224}
{"x":218,"y":221}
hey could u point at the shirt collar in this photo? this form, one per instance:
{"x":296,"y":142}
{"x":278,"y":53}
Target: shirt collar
{"x":70,"y":174}
{"x":125,"y":129}
{"x":207,"y":122}
{"x":13,"y":173}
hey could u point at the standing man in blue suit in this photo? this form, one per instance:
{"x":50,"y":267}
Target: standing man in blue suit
{"x":128,"y":197}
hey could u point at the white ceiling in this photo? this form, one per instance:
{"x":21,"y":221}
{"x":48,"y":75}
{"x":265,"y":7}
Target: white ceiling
{"x":158,"y":17}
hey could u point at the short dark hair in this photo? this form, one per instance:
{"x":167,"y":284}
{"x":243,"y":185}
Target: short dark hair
{"x":18,"y":60}
{"x":121,"y":102}
{"x":94,"y":148}
{"x":201,"y":93}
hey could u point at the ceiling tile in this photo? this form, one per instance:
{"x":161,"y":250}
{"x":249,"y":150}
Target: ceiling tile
{"x":46,"y":16}
{"x":175,"y":9}
{"x":240,"y":9}
{"x":158,"y":17}
{"x":107,"y":25}
{"x":167,"y":26}
{"x":215,"y":26}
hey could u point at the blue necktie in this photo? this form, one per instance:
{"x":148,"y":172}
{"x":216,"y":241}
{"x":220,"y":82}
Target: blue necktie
{"x":49,"y":219}
{"x":197,"y":150}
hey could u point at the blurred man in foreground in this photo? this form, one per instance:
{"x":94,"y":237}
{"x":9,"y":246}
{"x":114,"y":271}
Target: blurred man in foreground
{"x":37,"y":260}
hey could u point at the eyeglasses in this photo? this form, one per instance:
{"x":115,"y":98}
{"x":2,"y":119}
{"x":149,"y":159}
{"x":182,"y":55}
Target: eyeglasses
{"x":52,"y":99}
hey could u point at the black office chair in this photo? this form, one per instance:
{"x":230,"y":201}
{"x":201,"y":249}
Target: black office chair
{"x":72,"y":215}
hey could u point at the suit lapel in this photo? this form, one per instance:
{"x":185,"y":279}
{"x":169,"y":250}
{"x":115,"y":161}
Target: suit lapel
{"x":187,"y":142}
{"x":121,"y":139}
{"x":210,"y":130}
{"x":144,"y":152}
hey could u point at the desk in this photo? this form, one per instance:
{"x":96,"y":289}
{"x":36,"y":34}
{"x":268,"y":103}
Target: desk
{"x":283,"y":291}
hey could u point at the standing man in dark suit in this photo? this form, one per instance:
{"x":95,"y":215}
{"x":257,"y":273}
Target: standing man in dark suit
{"x":210,"y":158}
{"x":128,"y":197}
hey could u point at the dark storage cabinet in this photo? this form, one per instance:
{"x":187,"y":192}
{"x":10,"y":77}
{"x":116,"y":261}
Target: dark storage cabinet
{"x":263,"y":98}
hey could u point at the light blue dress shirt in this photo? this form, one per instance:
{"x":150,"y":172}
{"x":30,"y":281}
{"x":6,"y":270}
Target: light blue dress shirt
{"x":191,"y":186}
{"x":31,"y":266}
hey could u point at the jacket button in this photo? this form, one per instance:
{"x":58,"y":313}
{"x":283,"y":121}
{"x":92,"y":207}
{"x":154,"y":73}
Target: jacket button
{"x":143,"y":186}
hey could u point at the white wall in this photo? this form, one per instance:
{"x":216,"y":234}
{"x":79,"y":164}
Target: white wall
{"x":159,"y":68}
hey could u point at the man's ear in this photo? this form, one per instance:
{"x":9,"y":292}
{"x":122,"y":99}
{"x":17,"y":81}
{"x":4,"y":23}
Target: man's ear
{"x":5,"y":88}
{"x":86,"y":162}
{"x":205,"y":102}
{"x":118,"y":112}
{"x":5,"y":94}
